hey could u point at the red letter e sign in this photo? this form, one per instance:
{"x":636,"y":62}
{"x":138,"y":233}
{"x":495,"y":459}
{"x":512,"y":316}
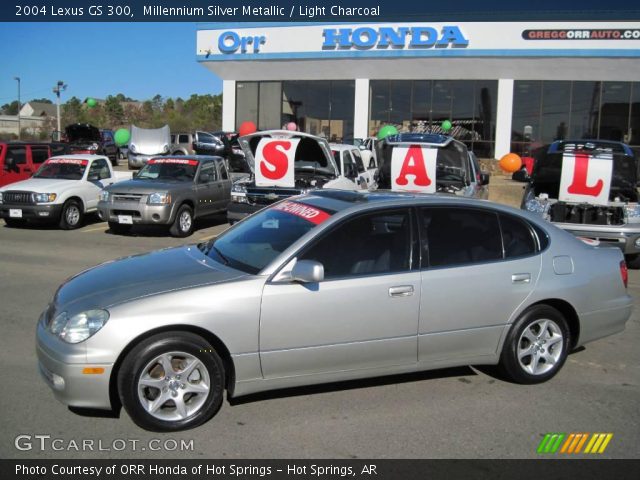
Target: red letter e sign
{"x":585,"y":178}
{"x":413,"y":169}
{"x":274,"y":162}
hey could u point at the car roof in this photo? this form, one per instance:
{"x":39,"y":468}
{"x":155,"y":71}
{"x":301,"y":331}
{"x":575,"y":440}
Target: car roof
{"x":342,"y":146}
{"x":199,"y":158}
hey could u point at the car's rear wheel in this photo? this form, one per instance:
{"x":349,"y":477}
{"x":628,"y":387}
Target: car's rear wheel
{"x":633,"y":261}
{"x":119,"y":228}
{"x":183,"y":224}
{"x":537,"y":346}
{"x":71,"y":216}
{"x":171,"y":381}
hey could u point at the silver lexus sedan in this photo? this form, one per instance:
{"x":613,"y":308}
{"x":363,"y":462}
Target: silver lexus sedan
{"x":327,"y":287}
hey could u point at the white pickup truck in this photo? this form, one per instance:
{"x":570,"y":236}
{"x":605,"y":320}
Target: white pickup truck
{"x":63,"y":190}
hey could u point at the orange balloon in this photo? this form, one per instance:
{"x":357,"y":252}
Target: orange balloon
{"x":510,"y":162}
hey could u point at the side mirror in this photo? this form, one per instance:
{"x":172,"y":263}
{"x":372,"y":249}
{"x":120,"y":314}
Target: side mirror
{"x":521,"y":175}
{"x":307,"y":271}
{"x":484,"y":178}
{"x":93,"y":177}
{"x":205,"y":178}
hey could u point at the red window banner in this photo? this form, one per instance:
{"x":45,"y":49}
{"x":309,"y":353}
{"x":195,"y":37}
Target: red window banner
{"x":301,"y":210}
{"x":177,"y":161}
{"x":72,"y":161}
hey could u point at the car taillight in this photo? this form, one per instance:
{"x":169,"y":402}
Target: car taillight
{"x":624,"y":273}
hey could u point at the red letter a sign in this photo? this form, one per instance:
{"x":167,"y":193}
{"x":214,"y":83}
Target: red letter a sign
{"x":585,"y":178}
{"x":413,"y":169}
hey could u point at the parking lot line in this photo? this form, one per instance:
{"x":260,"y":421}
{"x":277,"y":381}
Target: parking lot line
{"x":95,"y":229}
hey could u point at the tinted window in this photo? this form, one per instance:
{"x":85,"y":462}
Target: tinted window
{"x":358,"y":159}
{"x":16,"y":155}
{"x":99,"y":168}
{"x":349,"y":165}
{"x":206,"y":138}
{"x":39,"y":154}
{"x":456,"y":236}
{"x":368,"y":244}
{"x":223,"y":170}
{"x":183,"y":138}
{"x":208,"y":168}
{"x":517,"y":237}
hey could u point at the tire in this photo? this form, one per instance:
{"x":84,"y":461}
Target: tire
{"x":633,"y":261}
{"x":183,"y":224}
{"x":528,"y":355}
{"x":116,"y":160}
{"x":179,"y":152}
{"x":199,"y":395}
{"x":71,"y":216}
{"x":13,"y":223}
{"x":118,"y":228}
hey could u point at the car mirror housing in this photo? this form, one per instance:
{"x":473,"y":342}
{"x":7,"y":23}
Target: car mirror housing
{"x":307,"y":271}
{"x":484,"y":178}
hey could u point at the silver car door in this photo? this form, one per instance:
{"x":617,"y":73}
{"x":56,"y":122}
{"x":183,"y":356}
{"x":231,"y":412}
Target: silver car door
{"x":469,"y":292}
{"x":364,"y":314}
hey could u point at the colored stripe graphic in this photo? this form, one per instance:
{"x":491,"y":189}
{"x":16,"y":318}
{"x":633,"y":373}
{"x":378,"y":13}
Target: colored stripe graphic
{"x":573,"y":442}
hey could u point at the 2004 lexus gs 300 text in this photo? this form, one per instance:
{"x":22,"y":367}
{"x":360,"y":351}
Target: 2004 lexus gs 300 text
{"x":326,"y":287}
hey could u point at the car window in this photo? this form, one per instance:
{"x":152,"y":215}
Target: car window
{"x":173,"y":138}
{"x":358,"y":159}
{"x":517,"y":237}
{"x":224,"y":174}
{"x":457,"y":236}
{"x":208,"y":168}
{"x":99,"y":168}
{"x":39,"y":154}
{"x":206,"y":138}
{"x":183,"y":138}
{"x":349,"y":164}
{"x":16,"y":155}
{"x":369,"y":244}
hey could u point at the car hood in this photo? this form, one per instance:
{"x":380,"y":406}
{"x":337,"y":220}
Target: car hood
{"x":41,"y":185}
{"x":129,"y":278}
{"x":147,"y":186}
{"x":82,"y":132}
{"x":150,"y":141}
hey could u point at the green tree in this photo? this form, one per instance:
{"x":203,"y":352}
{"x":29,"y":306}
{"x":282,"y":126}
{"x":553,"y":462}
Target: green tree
{"x":10,"y":108}
{"x":41,"y":100}
{"x":113,"y":111}
{"x":72,"y":112}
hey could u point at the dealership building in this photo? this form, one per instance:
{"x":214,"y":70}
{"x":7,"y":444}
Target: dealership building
{"x":504,"y":86}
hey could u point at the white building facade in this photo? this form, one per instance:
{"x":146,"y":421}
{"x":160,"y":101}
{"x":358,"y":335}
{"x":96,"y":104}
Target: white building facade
{"x":503,"y":86}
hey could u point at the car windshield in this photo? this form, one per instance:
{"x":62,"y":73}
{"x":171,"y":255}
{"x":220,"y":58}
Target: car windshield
{"x":62,"y":169}
{"x":178,"y":169}
{"x":259,"y":239}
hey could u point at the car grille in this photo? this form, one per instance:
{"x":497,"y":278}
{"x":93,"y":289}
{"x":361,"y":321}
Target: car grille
{"x":127,"y":197}
{"x":267,"y":196}
{"x":21,"y":198}
{"x":586,"y":214}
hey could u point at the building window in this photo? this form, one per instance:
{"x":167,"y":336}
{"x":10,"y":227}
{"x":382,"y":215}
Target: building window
{"x":422,"y":106}
{"x":544,"y":111}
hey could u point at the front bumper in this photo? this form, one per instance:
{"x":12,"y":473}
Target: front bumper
{"x":31,"y":212}
{"x":141,"y":213}
{"x":623,"y":237}
{"x":61,"y":367}
{"x":237,"y":211}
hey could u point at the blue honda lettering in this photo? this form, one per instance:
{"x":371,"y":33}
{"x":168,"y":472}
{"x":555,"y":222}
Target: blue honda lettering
{"x":333,"y":37}
{"x":452,"y":35}
{"x":423,"y":37}
{"x":389,"y":36}
{"x":364,"y":37}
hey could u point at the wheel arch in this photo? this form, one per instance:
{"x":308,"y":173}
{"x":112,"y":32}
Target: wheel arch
{"x":568,"y":312}
{"x":216,"y":343}
{"x":76,"y":198}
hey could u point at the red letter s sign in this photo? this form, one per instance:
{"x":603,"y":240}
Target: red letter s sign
{"x":274,"y":162}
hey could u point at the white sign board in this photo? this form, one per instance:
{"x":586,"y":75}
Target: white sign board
{"x":275,"y":162}
{"x":585,"y":178}
{"x":413,"y":169}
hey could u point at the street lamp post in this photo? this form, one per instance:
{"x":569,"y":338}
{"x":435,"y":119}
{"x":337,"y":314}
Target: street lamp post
{"x":17,"y":79}
{"x":59,"y":88}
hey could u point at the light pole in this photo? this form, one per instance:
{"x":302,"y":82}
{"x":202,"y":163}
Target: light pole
{"x":17,"y":79}
{"x":60,"y":87}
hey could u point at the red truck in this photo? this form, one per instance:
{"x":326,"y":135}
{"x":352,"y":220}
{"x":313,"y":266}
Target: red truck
{"x":19,"y":160}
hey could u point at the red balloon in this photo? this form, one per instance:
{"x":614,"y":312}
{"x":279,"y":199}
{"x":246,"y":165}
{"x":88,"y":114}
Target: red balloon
{"x":510,"y":162}
{"x":247,"y":128}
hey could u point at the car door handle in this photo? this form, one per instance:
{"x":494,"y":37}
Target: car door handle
{"x":521,"y":278}
{"x":401,"y":291}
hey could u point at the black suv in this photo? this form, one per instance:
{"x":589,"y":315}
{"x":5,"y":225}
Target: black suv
{"x":85,"y":138}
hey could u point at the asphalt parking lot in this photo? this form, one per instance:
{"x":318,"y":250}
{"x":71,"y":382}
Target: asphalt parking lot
{"x":454,"y":413}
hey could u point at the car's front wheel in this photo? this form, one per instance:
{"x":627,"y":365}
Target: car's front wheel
{"x":183,"y":224}
{"x":171,"y":381}
{"x":537,"y":346}
{"x":72,"y":215}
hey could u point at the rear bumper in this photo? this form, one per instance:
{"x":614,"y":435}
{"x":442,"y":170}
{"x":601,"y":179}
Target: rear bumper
{"x":141,"y":214}
{"x":623,"y":237}
{"x":31,"y":212}
{"x":595,"y":325}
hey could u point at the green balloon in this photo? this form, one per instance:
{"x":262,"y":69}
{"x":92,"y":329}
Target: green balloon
{"x":387,"y":130}
{"x":91,"y":102}
{"x":122,"y":136}
{"x":446,"y":125}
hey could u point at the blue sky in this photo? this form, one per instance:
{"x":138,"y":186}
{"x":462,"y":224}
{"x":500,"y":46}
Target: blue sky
{"x":139,"y":60}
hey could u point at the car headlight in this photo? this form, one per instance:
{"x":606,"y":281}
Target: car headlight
{"x":632,"y":212}
{"x":239,"y":188}
{"x":239,"y":193}
{"x":165,"y":149}
{"x":104,"y":196}
{"x":79,"y":327}
{"x":132,"y":148}
{"x":535,"y":205}
{"x":94,"y":146}
{"x":159,"y":198}
{"x":44,"y":197}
